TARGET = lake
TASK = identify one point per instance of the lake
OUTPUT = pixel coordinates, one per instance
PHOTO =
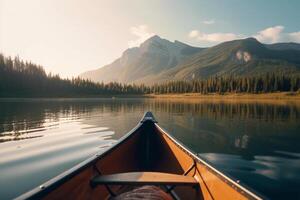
(257, 142)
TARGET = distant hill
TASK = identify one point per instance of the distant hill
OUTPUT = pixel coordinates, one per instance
(284, 46)
(158, 60)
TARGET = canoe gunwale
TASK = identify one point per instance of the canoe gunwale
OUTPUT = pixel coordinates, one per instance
(229, 180)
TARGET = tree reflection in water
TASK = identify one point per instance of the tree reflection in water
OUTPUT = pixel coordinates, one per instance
(254, 141)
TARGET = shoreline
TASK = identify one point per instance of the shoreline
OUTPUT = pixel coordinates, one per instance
(232, 96)
(194, 96)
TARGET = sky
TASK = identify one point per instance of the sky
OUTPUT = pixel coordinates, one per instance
(69, 37)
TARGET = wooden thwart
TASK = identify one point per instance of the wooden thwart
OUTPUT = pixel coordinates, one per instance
(143, 178)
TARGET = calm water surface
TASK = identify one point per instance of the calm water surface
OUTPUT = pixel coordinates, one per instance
(255, 142)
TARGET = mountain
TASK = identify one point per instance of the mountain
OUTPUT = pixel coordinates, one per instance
(284, 46)
(238, 57)
(158, 60)
(154, 56)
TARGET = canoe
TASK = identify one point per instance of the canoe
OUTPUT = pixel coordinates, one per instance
(147, 155)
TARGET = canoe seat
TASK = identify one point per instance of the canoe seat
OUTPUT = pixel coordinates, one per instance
(143, 178)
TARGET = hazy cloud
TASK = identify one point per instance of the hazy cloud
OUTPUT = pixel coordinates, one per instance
(269, 35)
(193, 34)
(213, 37)
(276, 34)
(295, 36)
(209, 22)
(142, 33)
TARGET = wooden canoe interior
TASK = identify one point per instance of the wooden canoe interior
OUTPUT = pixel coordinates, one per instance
(148, 148)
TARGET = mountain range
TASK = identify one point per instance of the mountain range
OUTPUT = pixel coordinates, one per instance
(159, 60)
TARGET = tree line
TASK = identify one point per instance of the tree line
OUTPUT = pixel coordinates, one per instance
(264, 83)
(25, 79)
(19, 78)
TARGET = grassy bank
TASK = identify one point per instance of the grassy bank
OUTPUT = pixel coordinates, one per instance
(234, 96)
